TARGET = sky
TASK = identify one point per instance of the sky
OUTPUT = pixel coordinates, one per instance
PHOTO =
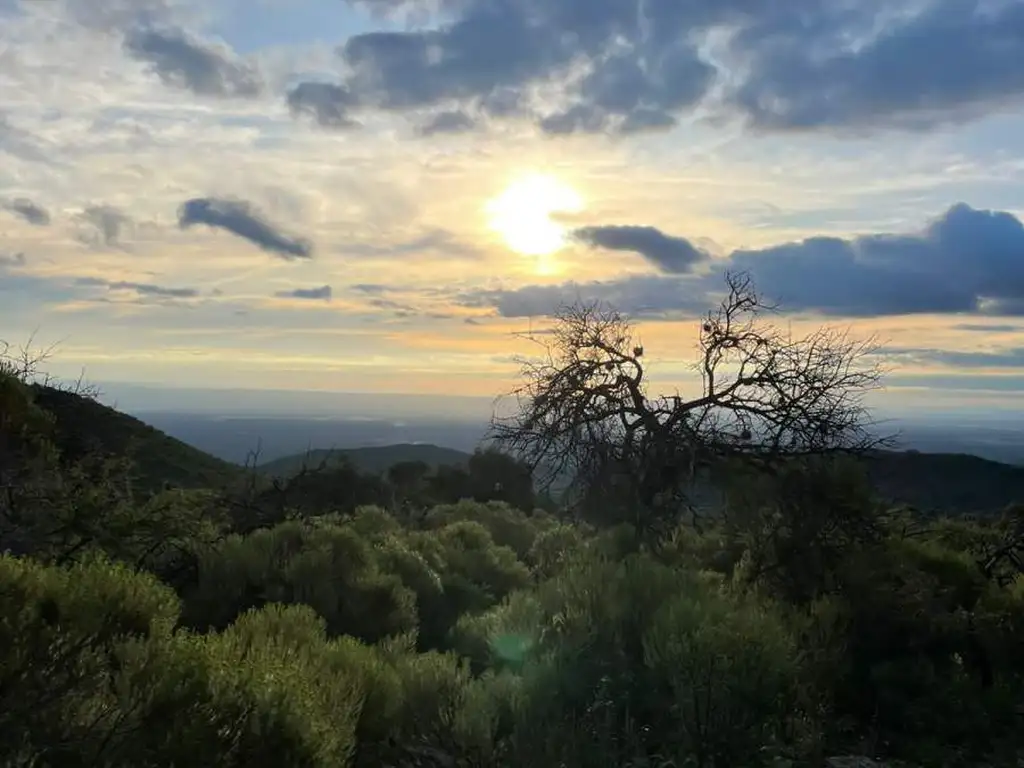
(382, 195)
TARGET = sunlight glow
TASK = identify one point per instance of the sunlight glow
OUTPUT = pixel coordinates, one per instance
(522, 214)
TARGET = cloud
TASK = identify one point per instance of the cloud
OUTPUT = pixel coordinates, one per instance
(107, 15)
(641, 296)
(952, 59)
(675, 255)
(28, 210)
(455, 121)
(104, 226)
(372, 289)
(1006, 358)
(142, 289)
(8, 260)
(493, 47)
(438, 240)
(184, 61)
(988, 327)
(328, 104)
(966, 261)
(22, 144)
(323, 293)
(627, 66)
(242, 219)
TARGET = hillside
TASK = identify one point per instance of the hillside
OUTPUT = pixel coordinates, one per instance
(946, 483)
(372, 459)
(84, 424)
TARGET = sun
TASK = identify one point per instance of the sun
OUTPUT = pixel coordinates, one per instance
(522, 214)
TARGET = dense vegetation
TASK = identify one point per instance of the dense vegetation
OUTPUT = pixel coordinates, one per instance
(370, 459)
(432, 617)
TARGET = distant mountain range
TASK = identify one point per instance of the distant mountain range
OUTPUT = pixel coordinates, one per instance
(938, 482)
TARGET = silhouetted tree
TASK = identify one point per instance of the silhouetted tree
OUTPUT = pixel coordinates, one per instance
(767, 397)
(495, 476)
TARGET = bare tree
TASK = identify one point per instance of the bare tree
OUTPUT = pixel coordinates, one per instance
(584, 410)
(25, 363)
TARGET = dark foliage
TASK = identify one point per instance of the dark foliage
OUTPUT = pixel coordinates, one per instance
(432, 616)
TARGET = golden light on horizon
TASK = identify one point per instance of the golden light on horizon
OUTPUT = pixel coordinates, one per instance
(522, 214)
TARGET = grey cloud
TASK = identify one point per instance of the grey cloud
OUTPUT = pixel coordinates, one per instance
(28, 210)
(627, 93)
(142, 289)
(22, 144)
(104, 226)
(644, 120)
(963, 382)
(327, 103)
(184, 61)
(242, 219)
(455, 121)
(1006, 358)
(627, 66)
(953, 59)
(496, 48)
(580, 118)
(640, 296)
(107, 15)
(675, 255)
(8, 260)
(374, 289)
(323, 293)
(493, 45)
(967, 261)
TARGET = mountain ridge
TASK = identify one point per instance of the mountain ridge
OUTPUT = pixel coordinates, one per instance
(83, 424)
(942, 483)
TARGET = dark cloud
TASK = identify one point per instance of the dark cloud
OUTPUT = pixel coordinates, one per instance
(626, 66)
(142, 289)
(455, 121)
(328, 104)
(105, 226)
(626, 94)
(242, 219)
(28, 210)
(185, 61)
(323, 293)
(675, 255)
(952, 59)
(501, 47)
(966, 261)
(491, 46)
(8, 260)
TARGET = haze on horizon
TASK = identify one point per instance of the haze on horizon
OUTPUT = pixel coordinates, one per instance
(381, 195)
